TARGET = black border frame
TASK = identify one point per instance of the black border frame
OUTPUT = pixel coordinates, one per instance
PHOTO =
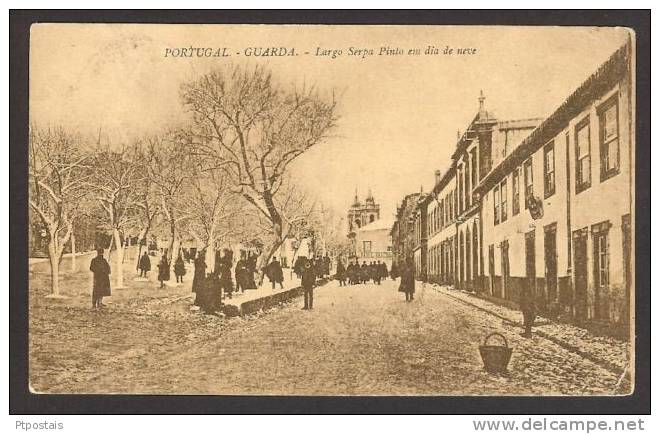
(24, 402)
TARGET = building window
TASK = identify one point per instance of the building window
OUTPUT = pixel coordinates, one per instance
(549, 169)
(608, 122)
(503, 204)
(442, 213)
(582, 156)
(515, 192)
(366, 248)
(371, 218)
(496, 205)
(529, 180)
(601, 260)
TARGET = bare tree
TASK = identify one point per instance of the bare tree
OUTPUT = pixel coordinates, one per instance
(243, 121)
(211, 210)
(58, 172)
(146, 206)
(114, 184)
(168, 167)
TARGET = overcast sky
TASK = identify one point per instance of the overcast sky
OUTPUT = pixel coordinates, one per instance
(399, 114)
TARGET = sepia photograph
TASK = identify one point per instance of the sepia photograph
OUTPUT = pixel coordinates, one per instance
(331, 210)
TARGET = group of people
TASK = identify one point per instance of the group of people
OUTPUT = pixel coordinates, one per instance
(356, 273)
(144, 265)
(320, 264)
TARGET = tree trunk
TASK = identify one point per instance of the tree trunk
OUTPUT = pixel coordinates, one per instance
(265, 257)
(54, 267)
(170, 251)
(210, 257)
(119, 259)
(73, 252)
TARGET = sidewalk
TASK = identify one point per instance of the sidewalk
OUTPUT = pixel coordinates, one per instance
(610, 353)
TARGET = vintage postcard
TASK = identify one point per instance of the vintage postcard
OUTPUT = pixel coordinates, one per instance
(331, 210)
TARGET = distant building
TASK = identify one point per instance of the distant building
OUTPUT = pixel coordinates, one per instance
(374, 243)
(402, 232)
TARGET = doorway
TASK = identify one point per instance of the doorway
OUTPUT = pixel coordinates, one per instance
(550, 256)
(580, 272)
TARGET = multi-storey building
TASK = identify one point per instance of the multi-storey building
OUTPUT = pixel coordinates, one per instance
(403, 232)
(452, 209)
(556, 211)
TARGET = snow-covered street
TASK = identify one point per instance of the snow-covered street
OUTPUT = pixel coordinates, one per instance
(361, 339)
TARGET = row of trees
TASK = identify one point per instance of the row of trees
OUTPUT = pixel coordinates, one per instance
(223, 175)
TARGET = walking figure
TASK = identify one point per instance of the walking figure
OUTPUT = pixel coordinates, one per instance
(144, 265)
(308, 283)
(163, 270)
(199, 277)
(340, 273)
(179, 269)
(528, 308)
(274, 273)
(407, 284)
(101, 270)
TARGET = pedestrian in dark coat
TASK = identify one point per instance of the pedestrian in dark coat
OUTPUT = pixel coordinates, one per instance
(299, 265)
(199, 277)
(251, 269)
(528, 308)
(407, 284)
(326, 265)
(308, 283)
(179, 269)
(241, 273)
(382, 270)
(144, 265)
(101, 286)
(364, 272)
(163, 270)
(274, 273)
(340, 273)
(223, 273)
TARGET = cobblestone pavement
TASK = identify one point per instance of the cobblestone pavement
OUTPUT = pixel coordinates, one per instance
(360, 339)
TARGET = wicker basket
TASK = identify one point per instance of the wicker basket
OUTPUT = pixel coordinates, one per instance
(495, 357)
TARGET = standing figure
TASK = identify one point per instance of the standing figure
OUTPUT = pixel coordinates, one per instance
(240, 273)
(318, 266)
(377, 272)
(251, 269)
(163, 270)
(382, 270)
(199, 277)
(223, 273)
(528, 308)
(274, 273)
(326, 265)
(101, 270)
(340, 273)
(298, 266)
(144, 264)
(179, 269)
(364, 272)
(308, 283)
(407, 284)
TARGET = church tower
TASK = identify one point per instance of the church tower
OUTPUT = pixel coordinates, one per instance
(361, 214)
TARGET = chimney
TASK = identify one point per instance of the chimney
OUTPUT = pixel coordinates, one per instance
(438, 176)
